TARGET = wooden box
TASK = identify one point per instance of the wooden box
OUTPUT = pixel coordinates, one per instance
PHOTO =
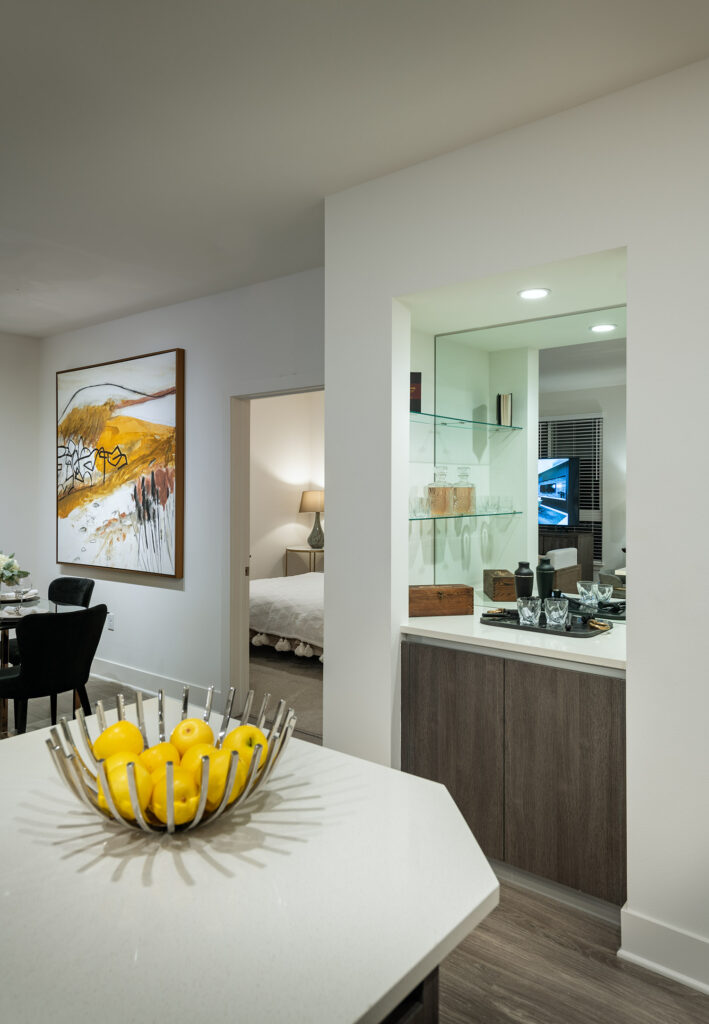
(499, 584)
(445, 599)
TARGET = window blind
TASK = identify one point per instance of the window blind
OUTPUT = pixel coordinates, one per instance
(582, 437)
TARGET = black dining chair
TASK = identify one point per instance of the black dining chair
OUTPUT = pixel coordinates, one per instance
(56, 653)
(75, 590)
(71, 590)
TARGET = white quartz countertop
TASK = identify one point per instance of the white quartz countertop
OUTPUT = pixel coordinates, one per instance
(606, 650)
(326, 901)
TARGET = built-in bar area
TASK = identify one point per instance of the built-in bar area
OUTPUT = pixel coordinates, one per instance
(517, 490)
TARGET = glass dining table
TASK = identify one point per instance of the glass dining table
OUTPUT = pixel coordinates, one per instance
(11, 612)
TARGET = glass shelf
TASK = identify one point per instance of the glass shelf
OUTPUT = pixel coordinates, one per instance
(437, 420)
(469, 515)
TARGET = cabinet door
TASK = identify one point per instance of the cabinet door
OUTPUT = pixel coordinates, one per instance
(452, 707)
(565, 777)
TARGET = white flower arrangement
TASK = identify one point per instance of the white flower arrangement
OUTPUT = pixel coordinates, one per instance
(10, 572)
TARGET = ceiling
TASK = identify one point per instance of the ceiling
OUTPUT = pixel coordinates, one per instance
(584, 283)
(154, 152)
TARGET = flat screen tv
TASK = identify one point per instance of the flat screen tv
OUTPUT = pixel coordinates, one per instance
(558, 487)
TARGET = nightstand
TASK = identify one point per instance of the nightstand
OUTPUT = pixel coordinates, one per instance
(311, 553)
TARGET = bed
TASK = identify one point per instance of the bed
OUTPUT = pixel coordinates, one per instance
(286, 612)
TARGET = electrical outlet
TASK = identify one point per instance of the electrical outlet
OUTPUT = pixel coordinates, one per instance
(110, 621)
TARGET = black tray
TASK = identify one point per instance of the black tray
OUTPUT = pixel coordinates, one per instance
(510, 620)
(605, 610)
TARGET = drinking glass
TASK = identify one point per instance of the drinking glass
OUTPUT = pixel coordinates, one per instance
(529, 609)
(22, 587)
(604, 591)
(587, 592)
(556, 610)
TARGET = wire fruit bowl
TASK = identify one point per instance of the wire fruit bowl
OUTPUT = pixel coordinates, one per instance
(83, 776)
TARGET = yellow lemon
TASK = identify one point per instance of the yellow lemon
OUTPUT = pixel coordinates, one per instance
(117, 737)
(153, 758)
(192, 759)
(190, 731)
(186, 796)
(117, 774)
(219, 761)
(243, 739)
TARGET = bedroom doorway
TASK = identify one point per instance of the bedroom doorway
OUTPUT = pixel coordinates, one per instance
(278, 562)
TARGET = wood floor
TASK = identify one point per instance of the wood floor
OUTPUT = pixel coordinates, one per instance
(536, 961)
(39, 711)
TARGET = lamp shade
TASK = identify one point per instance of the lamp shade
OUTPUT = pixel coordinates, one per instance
(312, 501)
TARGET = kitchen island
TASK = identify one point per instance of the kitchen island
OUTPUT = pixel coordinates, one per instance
(527, 732)
(331, 898)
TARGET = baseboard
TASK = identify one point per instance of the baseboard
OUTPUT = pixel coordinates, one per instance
(604, 911)
(147, 682)
(659, 947)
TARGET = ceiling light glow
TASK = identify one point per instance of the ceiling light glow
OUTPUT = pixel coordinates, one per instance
(534, 293)
(603, 328)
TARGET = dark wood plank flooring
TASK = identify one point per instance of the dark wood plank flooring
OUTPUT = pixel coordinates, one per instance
(537, 961)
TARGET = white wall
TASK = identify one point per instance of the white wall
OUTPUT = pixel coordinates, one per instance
(265, 338)
(474, 211)
(287, 457)
(19, 361)
(610, 404)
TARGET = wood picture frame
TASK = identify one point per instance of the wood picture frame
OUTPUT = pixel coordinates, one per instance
(120, 464)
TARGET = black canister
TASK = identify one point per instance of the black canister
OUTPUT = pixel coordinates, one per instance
(524, 580)
(545, 578)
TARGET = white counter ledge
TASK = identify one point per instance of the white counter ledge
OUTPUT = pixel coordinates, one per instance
(326, 901)
(607, 650)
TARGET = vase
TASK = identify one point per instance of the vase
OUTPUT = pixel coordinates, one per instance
(524, 580)
(545, 578)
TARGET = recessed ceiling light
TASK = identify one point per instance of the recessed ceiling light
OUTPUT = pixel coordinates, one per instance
(534, 293)
(603, 328)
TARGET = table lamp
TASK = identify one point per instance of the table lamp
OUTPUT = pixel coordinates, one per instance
(314, 501)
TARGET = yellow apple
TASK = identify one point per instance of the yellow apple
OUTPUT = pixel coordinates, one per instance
(119, 736)
(117, 775)
(154, 757)
(243, 739)
(190, 731)
(219, 761)
(192, 759)
(186, 795)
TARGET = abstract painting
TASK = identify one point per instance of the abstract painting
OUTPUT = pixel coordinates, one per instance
(120, 464)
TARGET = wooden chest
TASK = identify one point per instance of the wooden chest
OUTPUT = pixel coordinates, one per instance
(499, 584)
(444, 599)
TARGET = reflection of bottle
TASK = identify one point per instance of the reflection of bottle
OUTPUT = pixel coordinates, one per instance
(439, 493)
(463, 494)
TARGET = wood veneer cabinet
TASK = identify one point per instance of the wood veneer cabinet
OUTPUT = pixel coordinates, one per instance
(534, 756)
(565, 777)
(452, 712)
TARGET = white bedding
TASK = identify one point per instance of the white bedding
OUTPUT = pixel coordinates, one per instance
(289, 606)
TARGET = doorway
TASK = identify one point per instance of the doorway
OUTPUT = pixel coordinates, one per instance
(277, 567)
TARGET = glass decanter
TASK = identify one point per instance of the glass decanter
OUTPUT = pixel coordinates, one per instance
(463, 497)
(440, 493)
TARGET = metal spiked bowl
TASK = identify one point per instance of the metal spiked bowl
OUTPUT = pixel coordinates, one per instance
(82, 775)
